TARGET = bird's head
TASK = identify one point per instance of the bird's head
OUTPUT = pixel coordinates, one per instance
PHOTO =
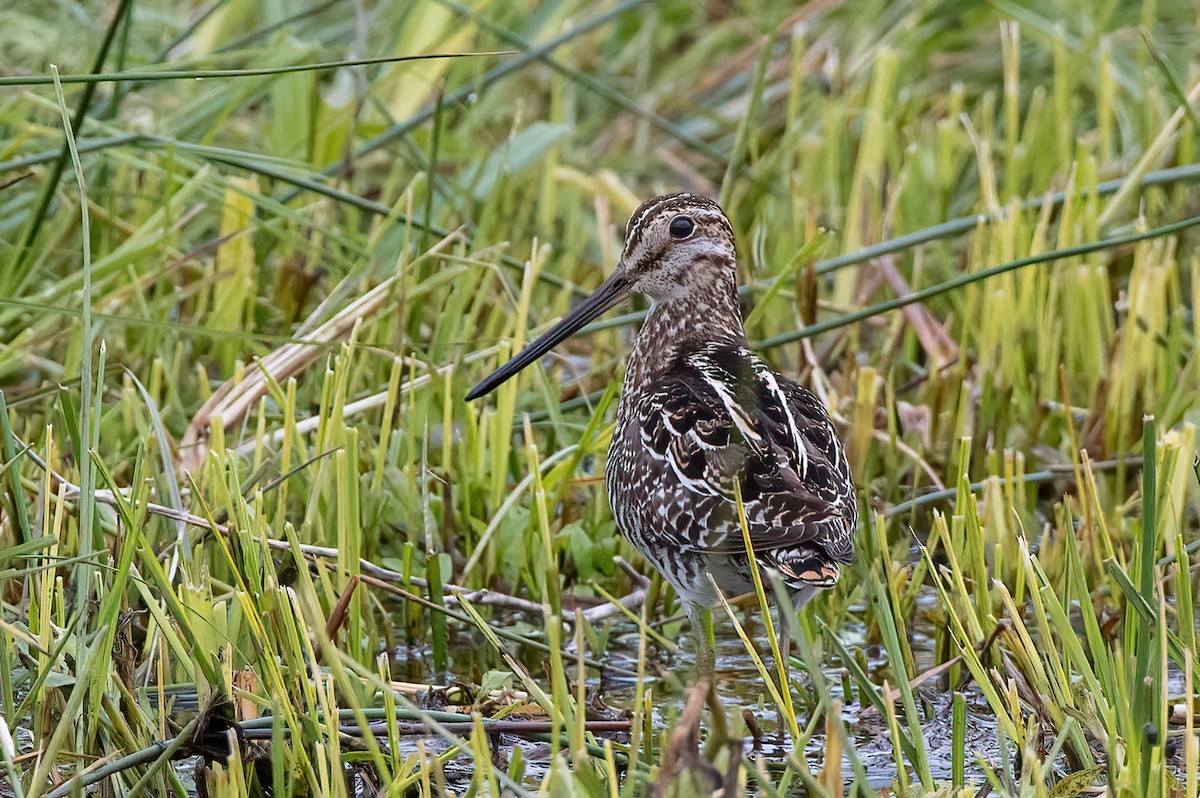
(676, 246)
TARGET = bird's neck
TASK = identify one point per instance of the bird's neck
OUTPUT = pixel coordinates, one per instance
(675, 326)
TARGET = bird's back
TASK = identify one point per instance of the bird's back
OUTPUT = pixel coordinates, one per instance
(716, 417)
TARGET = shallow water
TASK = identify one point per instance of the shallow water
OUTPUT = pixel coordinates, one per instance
(739, 687)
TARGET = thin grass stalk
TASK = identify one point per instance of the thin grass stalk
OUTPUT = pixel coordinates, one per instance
(16, 492)
(491, 635)
(958, 739)
(641, 718)
(400, 129)
(659, 639)
(50, 184)
(861, 205)
(1139, 635)
(785, 688)
(579, 738)
(765, 675)
(1191, 748)
(893, 725)
(1148, 159)
(970, 278)
(87, 473)
(510, 501)
(340, 682)
(146, 756)
(1161, 707)
(979, 672)
(747, 124)
(593, 84)
(895, 641)
(149, 76)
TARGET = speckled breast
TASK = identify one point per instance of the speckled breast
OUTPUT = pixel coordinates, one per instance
(659, 519)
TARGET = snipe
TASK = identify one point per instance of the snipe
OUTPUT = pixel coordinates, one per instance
(700, 412)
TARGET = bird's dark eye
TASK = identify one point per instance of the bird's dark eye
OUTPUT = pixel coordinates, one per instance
(682, 227)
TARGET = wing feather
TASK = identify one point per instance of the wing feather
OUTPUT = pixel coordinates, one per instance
(721, 415)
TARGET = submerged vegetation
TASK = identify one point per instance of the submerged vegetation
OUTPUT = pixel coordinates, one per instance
(254, 541)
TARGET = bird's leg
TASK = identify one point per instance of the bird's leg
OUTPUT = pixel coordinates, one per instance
(701, 620)
(785, 638)
(786, 603)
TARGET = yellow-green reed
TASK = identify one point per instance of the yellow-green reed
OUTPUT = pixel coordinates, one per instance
(231, 216)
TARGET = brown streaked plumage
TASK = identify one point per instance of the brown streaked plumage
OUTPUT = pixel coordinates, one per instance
(700, 412)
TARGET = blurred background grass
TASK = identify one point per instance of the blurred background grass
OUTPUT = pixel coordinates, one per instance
(234, 425)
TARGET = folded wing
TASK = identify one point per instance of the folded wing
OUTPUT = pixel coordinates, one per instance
(721, 417)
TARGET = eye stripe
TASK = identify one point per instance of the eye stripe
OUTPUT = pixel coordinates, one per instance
(703, 210)
(644, 210)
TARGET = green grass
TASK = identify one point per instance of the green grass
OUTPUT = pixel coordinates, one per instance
(244, 506)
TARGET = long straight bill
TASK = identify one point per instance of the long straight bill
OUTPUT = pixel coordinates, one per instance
(610, 292)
